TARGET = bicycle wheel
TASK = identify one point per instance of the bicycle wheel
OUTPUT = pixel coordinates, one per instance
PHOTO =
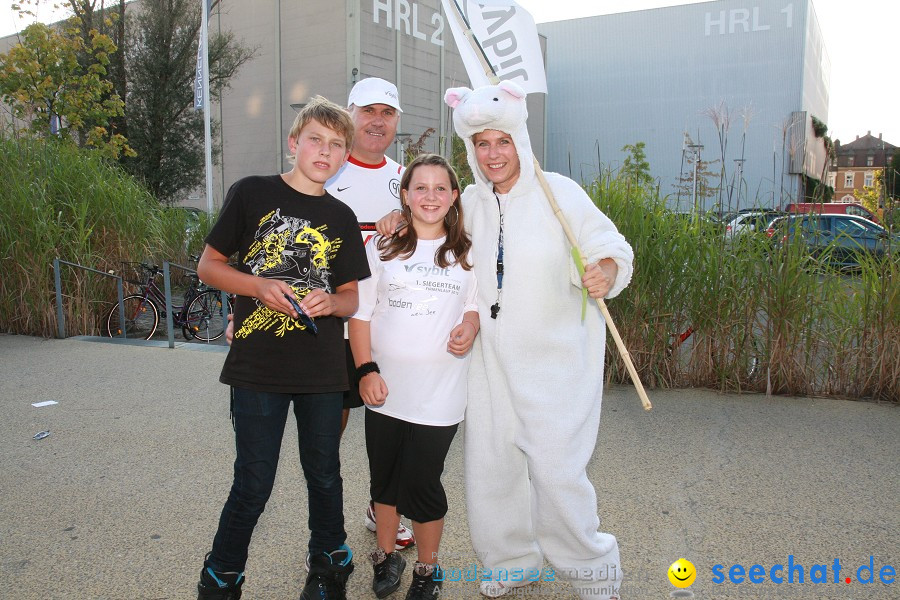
(204, 318)
(141, 318)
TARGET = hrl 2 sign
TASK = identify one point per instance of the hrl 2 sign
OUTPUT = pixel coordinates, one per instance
(405, 16)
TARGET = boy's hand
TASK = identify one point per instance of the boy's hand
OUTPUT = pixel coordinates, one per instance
(229, 331)
(372, 389)
(599, 277)
(319, 303)
(271, 293)
(388, 224)
(461, 338)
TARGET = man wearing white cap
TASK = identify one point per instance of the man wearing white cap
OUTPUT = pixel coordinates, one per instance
(369, 183)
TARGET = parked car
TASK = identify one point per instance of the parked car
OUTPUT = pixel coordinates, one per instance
(841, 238)
(774, 223)
(703, 223)
(192, 217)
(842, 208)
(750, 222)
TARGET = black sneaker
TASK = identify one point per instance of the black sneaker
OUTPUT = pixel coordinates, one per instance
(426, 582)
(328, 574)
(388, 570)
(219, 586)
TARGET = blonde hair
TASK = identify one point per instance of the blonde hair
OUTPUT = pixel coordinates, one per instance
(327, 113)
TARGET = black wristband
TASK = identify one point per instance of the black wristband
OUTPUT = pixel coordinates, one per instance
(366, 368)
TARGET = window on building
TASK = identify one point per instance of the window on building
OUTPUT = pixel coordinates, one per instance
(849, 161)
(831, 178)
(848, 179)
(870, 161)
(869, 179)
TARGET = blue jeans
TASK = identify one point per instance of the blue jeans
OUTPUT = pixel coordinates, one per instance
(259, 420)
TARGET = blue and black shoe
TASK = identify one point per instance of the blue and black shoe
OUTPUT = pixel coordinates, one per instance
(328, 575)
(219, 586)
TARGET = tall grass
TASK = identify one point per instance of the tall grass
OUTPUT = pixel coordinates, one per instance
(767, 316)
(60, 201)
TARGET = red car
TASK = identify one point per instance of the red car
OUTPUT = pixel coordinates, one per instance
(841, 208)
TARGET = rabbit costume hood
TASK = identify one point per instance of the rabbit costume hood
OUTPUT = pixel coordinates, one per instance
(500, 107)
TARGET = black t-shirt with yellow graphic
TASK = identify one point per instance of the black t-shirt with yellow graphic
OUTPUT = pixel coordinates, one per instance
(309, 242)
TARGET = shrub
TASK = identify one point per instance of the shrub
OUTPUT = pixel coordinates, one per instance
(61, 201)
(766, 316)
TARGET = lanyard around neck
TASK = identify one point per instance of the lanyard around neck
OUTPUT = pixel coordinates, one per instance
(496, 306)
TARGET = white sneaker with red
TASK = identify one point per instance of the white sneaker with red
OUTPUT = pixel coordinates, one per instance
(405, 537)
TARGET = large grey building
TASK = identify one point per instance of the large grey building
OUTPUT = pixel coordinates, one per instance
(324, 47)
(741, 79)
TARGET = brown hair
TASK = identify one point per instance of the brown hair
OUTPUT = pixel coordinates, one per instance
(457, 243)
(328, 114)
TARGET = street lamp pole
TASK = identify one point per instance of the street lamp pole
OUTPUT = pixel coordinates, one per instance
(695, 148)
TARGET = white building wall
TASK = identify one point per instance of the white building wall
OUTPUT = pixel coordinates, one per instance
(651, 76)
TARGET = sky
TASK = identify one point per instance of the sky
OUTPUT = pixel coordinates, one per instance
(865, 89)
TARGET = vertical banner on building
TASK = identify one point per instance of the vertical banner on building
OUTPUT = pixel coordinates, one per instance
(506, 34)
(198, 81)
(199, 88)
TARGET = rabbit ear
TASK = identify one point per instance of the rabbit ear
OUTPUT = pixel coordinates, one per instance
(454, 96)
(512, 89)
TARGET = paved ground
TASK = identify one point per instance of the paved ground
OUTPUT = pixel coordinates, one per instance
(122, 499)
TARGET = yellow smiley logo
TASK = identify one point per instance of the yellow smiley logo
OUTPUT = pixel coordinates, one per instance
(682, 573)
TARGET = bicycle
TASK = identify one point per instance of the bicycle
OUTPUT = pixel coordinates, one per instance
(199, 315)
(743, 357)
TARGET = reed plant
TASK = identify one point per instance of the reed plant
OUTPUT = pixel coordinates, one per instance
(61, 201)
(764, 314)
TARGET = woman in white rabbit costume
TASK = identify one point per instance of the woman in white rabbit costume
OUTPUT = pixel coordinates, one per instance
(536, 375)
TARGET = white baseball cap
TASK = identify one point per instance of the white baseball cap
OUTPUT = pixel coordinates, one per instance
(373, 90)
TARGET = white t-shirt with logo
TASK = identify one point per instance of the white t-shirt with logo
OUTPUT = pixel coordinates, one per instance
(412, 305)
(372, 191)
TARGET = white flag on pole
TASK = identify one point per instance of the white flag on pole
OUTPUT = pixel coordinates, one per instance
(508, 36)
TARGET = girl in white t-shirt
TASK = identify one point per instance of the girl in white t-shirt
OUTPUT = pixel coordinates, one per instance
(411, 336)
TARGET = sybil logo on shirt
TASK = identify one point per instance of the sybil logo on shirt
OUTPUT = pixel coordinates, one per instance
(423, 269)
(292, 250)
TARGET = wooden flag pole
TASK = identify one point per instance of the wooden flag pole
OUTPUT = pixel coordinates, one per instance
(620, 344)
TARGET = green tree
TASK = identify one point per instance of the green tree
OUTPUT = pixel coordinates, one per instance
(870, 196)
(893, 177)
(160, 59)
(42, 79)
(460, 162)
(95, 17)
(684, 185)
(635, 168)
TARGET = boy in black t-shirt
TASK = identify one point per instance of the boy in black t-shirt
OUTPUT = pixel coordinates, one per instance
(293, 242)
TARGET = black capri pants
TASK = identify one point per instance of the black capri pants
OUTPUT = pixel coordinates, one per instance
(406, 461)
